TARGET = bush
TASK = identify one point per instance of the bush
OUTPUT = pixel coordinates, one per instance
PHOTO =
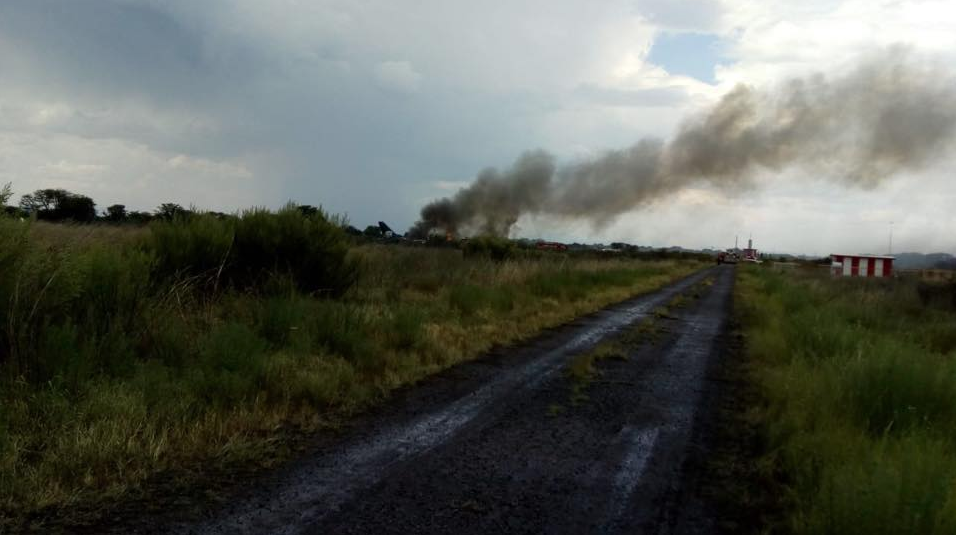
(492, 247)
(191, 246)
(310, 248)
(405, 329)
(280, 319)
(69, 312)
(572, 284)
(469, 298)
(886, 488)
(895, 388)
(341, 329)
(248, 250)
(233, 364)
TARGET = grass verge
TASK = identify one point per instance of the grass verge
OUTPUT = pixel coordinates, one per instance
(858, 379)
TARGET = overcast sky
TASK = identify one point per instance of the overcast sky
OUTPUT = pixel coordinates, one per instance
(373, 107)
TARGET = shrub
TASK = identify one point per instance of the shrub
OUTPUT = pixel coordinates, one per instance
(341, 329)
(233, 364)
(574, 284)
(69, 311)
(492, 247)
(248, 250)
(309, 248)
(281, 321)
(318, 380)
(191, 246)
(896, 388)
(886, 488)
(405, 329)
(469, 298)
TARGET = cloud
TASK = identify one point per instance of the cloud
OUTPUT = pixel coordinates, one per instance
(651, 97)
(450, 185)
(201, 167)
(116, 171)
(683, 15)
(72, 169)
(398, 75)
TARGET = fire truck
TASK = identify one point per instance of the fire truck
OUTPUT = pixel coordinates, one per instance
(729, 256)
(732, 256)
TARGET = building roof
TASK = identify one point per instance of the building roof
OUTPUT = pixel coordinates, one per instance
(858, 255)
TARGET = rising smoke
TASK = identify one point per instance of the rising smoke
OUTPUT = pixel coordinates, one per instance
(891, 113)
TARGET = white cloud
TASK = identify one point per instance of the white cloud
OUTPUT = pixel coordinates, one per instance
(135, 175)
(451, 185)
(201, 167)
(72, 169)
(398, 76)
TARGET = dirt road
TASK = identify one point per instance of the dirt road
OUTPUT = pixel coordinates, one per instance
(497, 446)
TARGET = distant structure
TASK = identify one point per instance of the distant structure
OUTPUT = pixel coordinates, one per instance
(551, 246)
(732, 256)
(861, 265)
(387, 231)
(750, 254)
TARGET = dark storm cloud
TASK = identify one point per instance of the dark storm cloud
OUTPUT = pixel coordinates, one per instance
(105, 47)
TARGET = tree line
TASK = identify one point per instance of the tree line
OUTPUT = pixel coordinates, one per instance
(60, 205)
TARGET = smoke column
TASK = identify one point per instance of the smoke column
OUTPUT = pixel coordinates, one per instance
(893, 112)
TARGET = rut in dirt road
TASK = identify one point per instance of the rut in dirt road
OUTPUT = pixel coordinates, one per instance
(486, 450)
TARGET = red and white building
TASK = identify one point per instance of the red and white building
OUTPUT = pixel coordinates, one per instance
(861, 265)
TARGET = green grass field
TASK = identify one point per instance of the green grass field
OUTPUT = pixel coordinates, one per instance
(198, 345)
(859, 379)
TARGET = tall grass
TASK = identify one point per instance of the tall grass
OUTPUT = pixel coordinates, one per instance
(196, 342)
(860, 380)
(248, 250)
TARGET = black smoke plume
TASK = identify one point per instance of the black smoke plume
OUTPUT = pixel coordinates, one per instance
(892, 112)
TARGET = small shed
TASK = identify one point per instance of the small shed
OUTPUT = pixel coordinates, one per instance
(861, 265)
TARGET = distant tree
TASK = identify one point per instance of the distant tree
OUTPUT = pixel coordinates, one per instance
(116, 213)
(307, 210)
(5, 193)
(77, 208)
(140, 218)
(372, 231)
(58, 205)
(170, 210)
(41, 200)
